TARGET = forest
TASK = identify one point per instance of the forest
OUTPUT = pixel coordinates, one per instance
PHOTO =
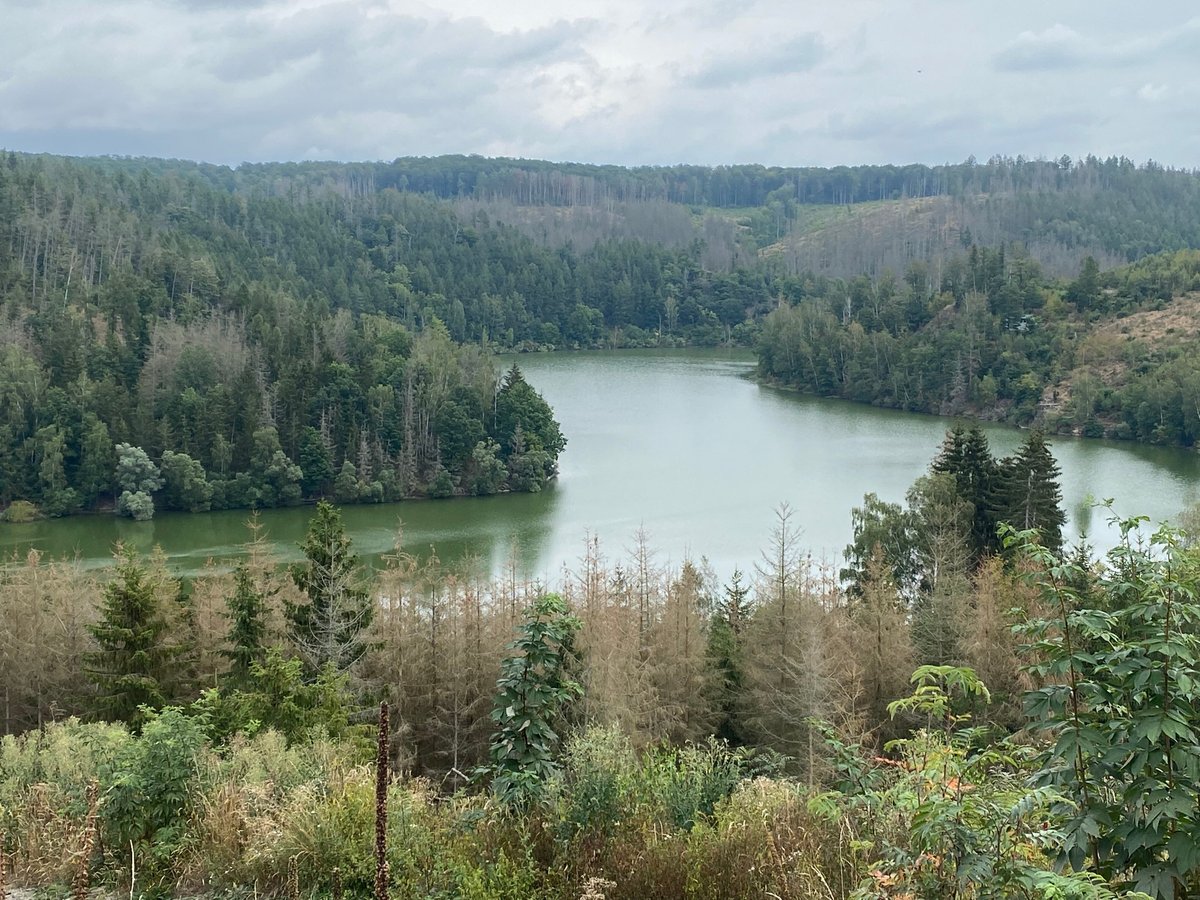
(967, 709)
(185, 336)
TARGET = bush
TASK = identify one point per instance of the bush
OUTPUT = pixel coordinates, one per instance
(20, 512)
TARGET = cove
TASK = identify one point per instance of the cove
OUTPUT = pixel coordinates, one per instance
(683, 444)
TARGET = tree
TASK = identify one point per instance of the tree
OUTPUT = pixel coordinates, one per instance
(531, 694)
(881, 638)
(1118, 705)
(893, 531)
(49, 447)
(1028, 495)
(528, 467)
(487, 470)
(327, 628)
(137, 478)
(46, 608)
(787, 666)
(131, 667)
(1084, 291)
(247, 612)
(725, 653)
(966, 455)
(677, 650)
(316, 462)
(518, 405)
(185, 485)
(97, 461)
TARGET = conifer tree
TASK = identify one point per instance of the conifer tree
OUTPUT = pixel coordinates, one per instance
(614, 607)
(1028, 493)
(989, 644)
(327, 625)
(45, 608)
(882, 644)
(788, 673)
(677, 645)
(967, 456)
(247, 613)
(728, 677)
(131, 668)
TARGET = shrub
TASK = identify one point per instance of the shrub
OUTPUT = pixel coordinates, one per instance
(21, 511)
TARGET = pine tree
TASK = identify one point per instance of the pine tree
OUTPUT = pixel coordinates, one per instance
(884, 650)
(247, 612)
(131, 668)
(728, 677)
(1028, 495)
(967, 456)
(677, 645)
(327, 627)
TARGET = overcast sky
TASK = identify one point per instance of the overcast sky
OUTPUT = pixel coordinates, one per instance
(807, 82)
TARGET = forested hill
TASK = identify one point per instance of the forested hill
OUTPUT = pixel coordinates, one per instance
(839, 221)
(285, 330)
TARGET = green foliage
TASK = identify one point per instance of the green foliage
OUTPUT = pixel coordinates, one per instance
(533, 689)
(151, 788)
(522, 413)
(1028, 495)
(247, 610)
(895, 532)
(132, 668)
(725, 654)
(1118, 664)
(185, 484)
(487, 471)
(275, 695)
(952, 813)
(20, 512)
(327, 628)
(137, 505)
(136, 473)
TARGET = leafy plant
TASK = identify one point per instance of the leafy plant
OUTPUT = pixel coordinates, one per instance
(1118, 664)
(533, 689)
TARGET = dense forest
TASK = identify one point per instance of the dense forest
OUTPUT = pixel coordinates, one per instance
(1109, 354)
(190, 336)
(966, 710)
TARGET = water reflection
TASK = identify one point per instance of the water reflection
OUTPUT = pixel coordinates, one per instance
(678, 443)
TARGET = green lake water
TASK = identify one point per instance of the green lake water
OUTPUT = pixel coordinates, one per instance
(680, 443)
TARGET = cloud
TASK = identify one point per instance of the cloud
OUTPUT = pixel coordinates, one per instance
(798, 54)
(1062, 47)
(621, 81)
(1152, 92)
(1057, 47)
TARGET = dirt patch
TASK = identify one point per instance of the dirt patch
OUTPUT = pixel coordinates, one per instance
(1176, 322)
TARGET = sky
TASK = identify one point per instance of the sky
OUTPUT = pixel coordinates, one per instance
(629, 82)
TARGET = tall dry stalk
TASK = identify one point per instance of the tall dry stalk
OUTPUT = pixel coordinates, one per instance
(80, 883)
(293, 879)
(381, 796)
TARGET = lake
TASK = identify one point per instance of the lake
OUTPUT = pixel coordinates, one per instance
(682, 444)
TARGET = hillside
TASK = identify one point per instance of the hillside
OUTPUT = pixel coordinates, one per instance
(314, 329)
(1107, 354)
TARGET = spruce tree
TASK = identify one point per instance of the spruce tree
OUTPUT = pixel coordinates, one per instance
(967, 456)
(728, 679)
(131, 668)
(1029, 496)
(328, 627)
(247, 626)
